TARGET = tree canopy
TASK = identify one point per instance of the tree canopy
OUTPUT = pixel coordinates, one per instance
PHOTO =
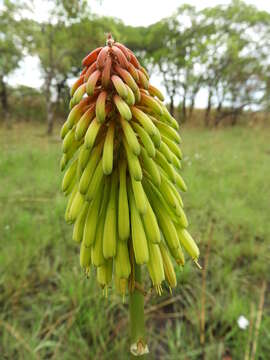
(222, 51)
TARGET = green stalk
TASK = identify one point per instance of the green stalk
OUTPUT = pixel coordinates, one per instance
(136, 313)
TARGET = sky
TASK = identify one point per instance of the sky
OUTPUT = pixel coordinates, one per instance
(135, 13)
(146, 12)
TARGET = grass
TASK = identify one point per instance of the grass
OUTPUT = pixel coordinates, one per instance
(49, 310)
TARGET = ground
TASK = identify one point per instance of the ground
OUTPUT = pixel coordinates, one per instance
(49, 310)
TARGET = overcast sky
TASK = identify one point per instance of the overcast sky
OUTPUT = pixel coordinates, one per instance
(136, 12)
(145, 12)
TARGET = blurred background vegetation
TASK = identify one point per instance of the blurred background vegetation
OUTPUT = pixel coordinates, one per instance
(48, 309)
(222, 50)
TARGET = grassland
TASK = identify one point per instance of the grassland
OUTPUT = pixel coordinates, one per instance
(49, 310)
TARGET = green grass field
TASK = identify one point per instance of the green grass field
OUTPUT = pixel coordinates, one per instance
(49, 310)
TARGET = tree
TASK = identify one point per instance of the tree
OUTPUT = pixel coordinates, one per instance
(11, 48)
(161, 50)
(59, 42)
(52, 45)
(235, 63)
(176, 46)
(223, 49)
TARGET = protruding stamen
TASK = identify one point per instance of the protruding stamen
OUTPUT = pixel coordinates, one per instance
(197, 264)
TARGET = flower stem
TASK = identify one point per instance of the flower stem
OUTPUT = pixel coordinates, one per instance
(136, 312)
